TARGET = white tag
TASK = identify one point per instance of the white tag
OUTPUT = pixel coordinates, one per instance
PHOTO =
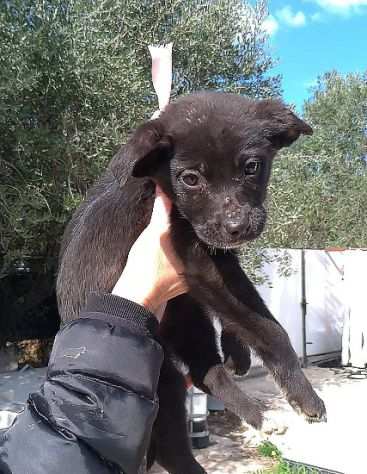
(161, 74)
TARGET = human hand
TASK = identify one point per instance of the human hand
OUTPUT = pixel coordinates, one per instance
(153, 273)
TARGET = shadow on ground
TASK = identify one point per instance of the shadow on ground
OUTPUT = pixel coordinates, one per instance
(334, 445)
(228, 453)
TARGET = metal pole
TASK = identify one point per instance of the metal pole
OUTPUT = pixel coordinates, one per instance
(304, 308)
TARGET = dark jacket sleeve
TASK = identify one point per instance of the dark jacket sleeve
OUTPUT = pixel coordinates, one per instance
(95, 411)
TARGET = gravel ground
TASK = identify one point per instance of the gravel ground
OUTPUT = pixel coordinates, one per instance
(337, 445)
(228, 453)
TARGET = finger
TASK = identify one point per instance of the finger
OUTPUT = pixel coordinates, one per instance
(166, 200)
(161, 211)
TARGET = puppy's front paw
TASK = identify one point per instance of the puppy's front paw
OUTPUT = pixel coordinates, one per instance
(274, 423)
(309, 404)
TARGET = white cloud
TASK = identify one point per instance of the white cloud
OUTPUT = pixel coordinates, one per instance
(283, 16)
(341, 6)
(290, 18)
(270, 25)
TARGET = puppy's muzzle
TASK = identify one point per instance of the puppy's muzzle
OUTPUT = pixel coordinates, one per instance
(236, 228)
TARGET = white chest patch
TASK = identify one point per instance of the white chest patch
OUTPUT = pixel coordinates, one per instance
(218, 335)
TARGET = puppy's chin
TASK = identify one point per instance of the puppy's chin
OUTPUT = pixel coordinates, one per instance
(222, 243)
(214, 238)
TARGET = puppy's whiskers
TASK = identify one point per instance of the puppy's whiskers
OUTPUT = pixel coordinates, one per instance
(212, 250)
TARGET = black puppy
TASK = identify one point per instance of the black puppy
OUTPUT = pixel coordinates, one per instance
(211, 153)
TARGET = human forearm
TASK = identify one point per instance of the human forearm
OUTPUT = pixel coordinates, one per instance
(99, 399)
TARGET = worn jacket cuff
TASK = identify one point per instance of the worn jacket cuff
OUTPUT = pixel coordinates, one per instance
(122, 312)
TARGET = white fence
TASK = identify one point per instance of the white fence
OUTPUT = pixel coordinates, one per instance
(355, 325)
(333, 290)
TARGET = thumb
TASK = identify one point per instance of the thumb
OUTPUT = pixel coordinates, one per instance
(161, 211)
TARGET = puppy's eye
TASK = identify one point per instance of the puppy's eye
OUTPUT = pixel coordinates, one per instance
(252, 168)
(190, 179)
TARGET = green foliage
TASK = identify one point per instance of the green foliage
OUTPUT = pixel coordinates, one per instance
(337, 111)
(284, 468)
(318, 191)
(75, 79)
(269, 450)
(318, 201)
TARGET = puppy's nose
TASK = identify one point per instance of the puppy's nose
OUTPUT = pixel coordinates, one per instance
(234, 228)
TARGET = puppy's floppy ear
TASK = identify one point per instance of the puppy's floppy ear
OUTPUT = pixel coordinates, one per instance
(281, 126)
(147, 147)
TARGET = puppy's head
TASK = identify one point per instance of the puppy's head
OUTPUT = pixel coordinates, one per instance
(211, 153)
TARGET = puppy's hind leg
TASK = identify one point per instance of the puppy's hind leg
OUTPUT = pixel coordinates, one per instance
(170, 440)
(237, 355)
(220, 384)
(190, 333)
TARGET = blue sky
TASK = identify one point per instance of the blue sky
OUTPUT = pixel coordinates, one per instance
(310, 37)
